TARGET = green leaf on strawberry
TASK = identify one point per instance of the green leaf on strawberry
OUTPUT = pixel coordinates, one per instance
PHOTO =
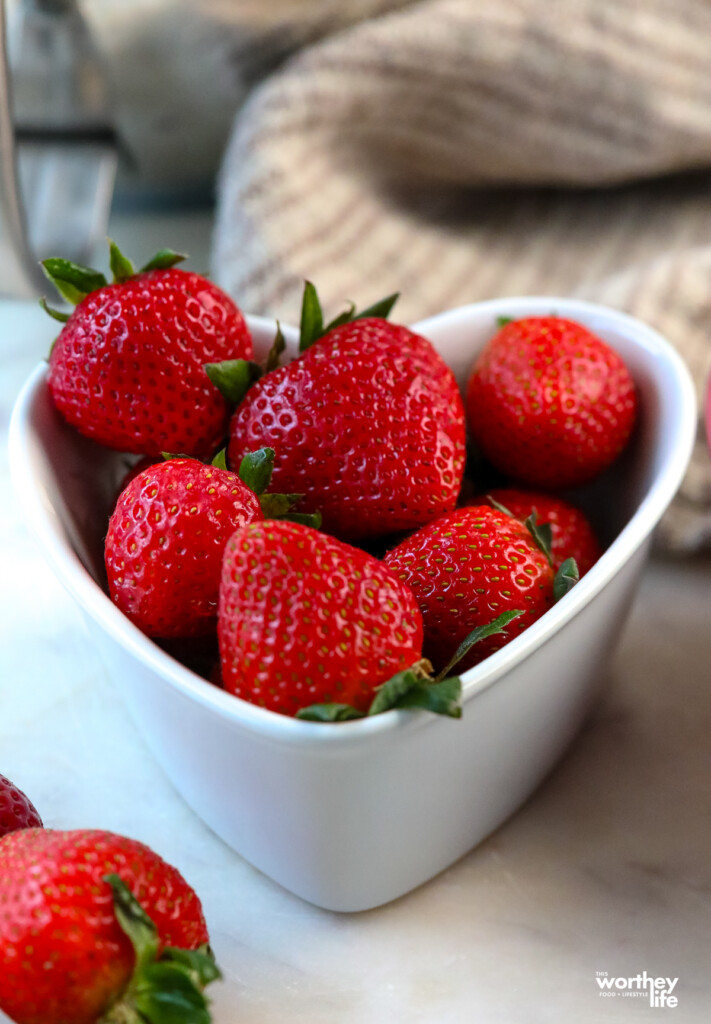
(275, 506)
(382, 308)
(121, 266)
(498, 625)
(54, 313)
(501, 321)
(312, 326)
(278, 346)
(312, 519)
(72, 280)
(166, 987)
(565, 579)
(501, 508)
(219, 461)
(415, 688)
(164, 259)
(329, 713)
(233, 377)
(411, 689)
(542, 534)
(343, 318)
(255, 469)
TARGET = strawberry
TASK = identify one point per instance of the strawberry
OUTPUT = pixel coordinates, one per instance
(367, 423)
(165, 541)
(464, 568)
(97, 927)
(16, 810)
(306, 619)
(572, 534)
(549, 403)
(127, 367)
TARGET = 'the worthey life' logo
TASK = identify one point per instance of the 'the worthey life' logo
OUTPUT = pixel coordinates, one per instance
(660, 990)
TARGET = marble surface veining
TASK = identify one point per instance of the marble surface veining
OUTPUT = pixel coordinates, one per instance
(606, 869)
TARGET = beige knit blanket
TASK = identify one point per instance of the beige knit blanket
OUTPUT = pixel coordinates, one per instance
(454, 150)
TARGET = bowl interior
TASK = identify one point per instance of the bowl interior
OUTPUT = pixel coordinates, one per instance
(68, 484)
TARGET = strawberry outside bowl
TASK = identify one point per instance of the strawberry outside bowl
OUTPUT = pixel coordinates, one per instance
(352, 815)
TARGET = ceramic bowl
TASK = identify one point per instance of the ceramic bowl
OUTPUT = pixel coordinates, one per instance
(352, 815)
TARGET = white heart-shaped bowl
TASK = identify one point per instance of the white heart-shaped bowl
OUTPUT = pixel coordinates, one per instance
(352, 815)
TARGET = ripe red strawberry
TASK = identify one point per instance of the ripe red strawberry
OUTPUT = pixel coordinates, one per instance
(367, 423)
(572, 534)
(16, 810)
(65, 956)
(549, 403)
(306, 619)
(467, 568)
(128, 366)
(165, 542)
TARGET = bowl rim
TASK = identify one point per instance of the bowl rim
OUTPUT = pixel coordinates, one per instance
(46, 525)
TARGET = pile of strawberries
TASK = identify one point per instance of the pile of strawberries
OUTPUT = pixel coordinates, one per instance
(312, 516)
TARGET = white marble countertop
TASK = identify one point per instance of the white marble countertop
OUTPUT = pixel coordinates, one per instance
(606, 869)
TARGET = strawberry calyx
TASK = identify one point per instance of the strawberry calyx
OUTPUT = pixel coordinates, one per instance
(312, 327)
(415, 687)
(565, 579)
(255, 470)
(479, 633)
(234, 377)
(542, 534)
(167, 985)
(412, 688)
(74, 281)
(568, 572)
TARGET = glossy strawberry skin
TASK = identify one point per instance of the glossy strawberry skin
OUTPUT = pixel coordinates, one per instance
(128, 366)
(306, 619)
(573, 535)
(63, 956)
(16, 810)
(549, 403)
(165, 542)
(465, 569)
(368, 424)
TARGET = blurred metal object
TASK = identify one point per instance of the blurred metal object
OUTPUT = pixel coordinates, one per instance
(58, 151)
